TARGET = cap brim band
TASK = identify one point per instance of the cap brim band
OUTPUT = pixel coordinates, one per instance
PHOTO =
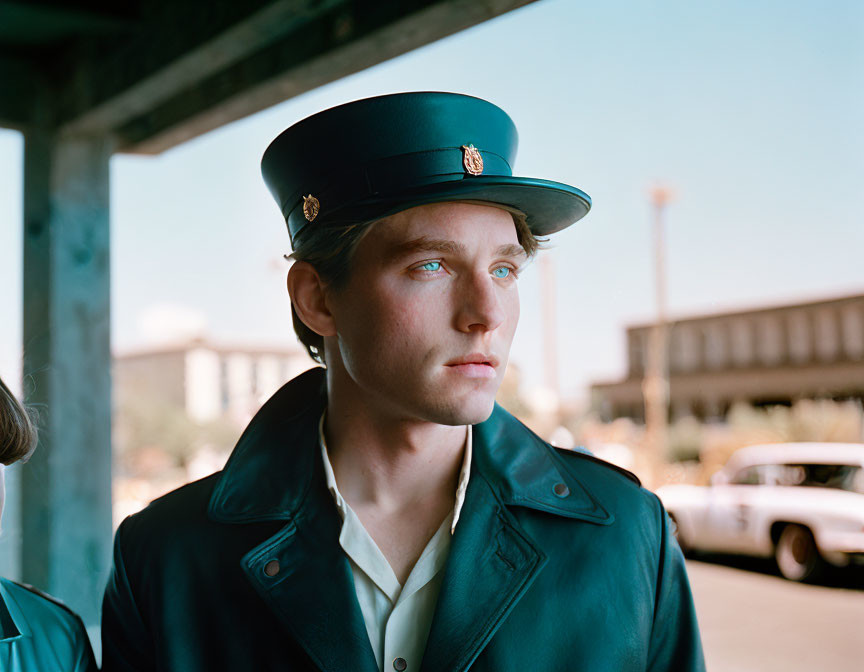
(548, 206)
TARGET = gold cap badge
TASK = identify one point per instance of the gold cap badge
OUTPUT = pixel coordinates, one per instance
(472, 160)
(311, 206)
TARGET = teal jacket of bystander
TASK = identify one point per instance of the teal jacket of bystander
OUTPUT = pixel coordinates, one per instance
(39, 633)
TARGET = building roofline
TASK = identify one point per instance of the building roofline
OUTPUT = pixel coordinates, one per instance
(760, 309)
(224, 348)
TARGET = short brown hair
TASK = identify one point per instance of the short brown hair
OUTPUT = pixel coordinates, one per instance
(17, 431)
(330, 251)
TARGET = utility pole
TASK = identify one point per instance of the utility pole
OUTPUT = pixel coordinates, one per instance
(550, 324)
(655, 385)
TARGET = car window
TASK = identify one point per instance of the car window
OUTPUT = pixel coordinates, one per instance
(754, 475)
(834, 476)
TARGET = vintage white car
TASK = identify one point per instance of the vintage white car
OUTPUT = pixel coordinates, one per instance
(803, 503)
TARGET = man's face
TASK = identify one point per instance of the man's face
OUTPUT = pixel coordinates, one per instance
(425, 322)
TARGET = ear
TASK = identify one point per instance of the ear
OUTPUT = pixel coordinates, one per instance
(307, 293)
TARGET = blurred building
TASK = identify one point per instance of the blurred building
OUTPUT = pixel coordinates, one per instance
(207, 381)
(768, 356)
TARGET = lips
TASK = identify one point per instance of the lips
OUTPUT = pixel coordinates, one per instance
(475, 358)
(475, 365)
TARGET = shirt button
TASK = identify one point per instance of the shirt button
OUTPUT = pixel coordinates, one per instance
(271, 569)
(561, 490)
(400, 664)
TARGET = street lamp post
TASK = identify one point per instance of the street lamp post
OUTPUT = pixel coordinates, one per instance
(655, 384)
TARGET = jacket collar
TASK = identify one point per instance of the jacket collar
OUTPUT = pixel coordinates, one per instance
(528, 472)
(269, 472)
(13, 622)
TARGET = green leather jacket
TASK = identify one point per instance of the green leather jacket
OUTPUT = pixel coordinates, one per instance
(559, 562)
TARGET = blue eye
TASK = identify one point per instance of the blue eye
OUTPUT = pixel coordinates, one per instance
(431, 266)
(502, 272)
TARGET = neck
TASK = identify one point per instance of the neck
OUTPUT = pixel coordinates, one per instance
(387, 461)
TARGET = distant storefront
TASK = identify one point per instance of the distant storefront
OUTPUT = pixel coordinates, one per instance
(767, 356)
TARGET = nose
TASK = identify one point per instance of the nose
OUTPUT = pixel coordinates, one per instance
(480, 307)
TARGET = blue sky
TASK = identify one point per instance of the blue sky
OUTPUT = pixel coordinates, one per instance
(753, 112)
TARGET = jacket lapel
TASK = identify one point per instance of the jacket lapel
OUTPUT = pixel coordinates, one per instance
(493, 560)
(275, 474)
(311, 589)
(490, 567)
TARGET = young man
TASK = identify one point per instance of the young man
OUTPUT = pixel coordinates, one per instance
(382, 513)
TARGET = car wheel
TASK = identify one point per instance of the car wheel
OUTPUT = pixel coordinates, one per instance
(797, 555)
(679, 536)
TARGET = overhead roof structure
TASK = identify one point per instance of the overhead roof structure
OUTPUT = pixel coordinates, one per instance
(156, 73)
(82, 80)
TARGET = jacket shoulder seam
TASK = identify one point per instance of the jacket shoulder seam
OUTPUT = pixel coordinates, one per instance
(48, 598)
(596, 460)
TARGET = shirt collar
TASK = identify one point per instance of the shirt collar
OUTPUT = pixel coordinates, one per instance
(342, 506)
(329, 476)
(464, 474)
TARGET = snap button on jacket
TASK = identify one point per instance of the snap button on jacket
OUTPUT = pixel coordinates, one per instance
(242, 570)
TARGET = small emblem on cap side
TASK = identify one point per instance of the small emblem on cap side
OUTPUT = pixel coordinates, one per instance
(311, 206)
(472, 160)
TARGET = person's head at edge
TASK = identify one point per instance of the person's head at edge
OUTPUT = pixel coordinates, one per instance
(17, 434)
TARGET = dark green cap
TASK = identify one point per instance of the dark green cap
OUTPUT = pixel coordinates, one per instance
(371, 158)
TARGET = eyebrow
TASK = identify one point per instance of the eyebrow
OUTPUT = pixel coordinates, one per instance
(511, 250)
(426, 244)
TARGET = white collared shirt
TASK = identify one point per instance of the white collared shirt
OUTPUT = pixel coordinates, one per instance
(397, 618)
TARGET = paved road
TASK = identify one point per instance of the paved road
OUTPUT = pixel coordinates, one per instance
(754, 621)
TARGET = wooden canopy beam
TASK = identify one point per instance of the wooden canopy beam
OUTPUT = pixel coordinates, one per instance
(338, 43)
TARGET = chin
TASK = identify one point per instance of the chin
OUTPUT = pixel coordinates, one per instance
(471, 411)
